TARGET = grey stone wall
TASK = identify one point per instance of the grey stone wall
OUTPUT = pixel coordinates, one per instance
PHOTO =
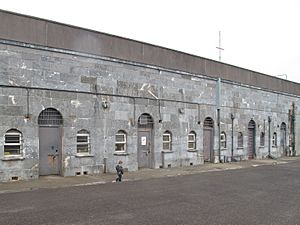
(32, 80)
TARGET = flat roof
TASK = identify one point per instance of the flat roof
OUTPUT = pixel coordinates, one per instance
(28, 29)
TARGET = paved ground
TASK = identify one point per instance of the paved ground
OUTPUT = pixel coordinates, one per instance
(57, 181)
(260, 192)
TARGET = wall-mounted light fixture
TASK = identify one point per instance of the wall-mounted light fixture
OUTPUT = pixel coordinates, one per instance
(105, 104)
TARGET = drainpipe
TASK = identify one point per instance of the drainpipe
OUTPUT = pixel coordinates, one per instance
(218, 116)
(232, 119)
(269, 146)
(293, 119)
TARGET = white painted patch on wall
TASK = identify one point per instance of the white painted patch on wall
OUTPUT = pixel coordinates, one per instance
(67, 161)
(12, 83)
(35, 166)
(143, 86)
(76, 103)
(12, 98)
(150, 92)
(6, 52)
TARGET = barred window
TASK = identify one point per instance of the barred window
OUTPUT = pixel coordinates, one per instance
(167, 141)
(262, 139)
(274, 139)
(13, 143)
(192, 140)
(223, 140)
(83, 141)
(240, 140)
(120, 144)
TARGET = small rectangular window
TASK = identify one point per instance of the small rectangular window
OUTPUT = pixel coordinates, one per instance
(223, 140)
(83, 143)
(167, 141)
(262, 139)
(240, 140)
(191, 141)
(120, 144)
(274, 140)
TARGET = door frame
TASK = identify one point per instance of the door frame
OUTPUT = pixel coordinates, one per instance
(146, 124)
(51, 117)
(208, 125)
(252, 127)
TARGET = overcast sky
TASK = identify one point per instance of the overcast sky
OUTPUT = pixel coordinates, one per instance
(260, 35)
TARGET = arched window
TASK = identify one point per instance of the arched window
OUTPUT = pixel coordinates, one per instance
(274, 139)
(121, 141)
(223, 139)
(262, 139)
(167, 141)
(240, 140)
(192, 141)
(83, 142)
(13, 143)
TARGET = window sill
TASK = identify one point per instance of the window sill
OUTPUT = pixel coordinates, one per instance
(167, 151)
(240, 148)
(83, 155)
(192, 150)
(12, 158)
(121, 153)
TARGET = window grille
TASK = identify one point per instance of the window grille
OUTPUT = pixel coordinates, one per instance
(120, 144)
(240, 140)
(167, 141)
(145, 120)
(13, 143)
(83, 141)
(251, 124)
(208, 122)
(192, 140)
(50, 117)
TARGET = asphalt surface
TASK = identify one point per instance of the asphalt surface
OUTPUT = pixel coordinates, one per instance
(266, 193)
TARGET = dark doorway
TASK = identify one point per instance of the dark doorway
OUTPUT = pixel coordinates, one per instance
(145, 150)
(208, 140)
(251, 139)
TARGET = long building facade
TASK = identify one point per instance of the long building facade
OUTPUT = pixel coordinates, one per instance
(74, 102)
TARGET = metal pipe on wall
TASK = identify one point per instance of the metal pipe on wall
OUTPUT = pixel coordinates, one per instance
(218, 103)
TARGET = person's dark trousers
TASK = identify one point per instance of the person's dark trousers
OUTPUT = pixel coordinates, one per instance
(119, 178)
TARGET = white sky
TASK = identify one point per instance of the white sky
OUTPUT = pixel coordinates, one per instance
(260, 35)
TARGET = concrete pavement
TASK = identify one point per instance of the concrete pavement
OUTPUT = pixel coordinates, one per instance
(58, 181)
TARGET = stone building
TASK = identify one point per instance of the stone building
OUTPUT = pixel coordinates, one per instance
(75, 101)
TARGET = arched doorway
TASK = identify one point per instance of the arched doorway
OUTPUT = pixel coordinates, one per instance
(50, 129)
(251, 139)
(208, 140)
(145, 130)
(283, 138)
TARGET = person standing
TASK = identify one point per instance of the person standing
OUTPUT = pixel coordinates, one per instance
(120, 171)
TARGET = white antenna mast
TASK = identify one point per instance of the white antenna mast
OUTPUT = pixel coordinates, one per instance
(219, 47)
